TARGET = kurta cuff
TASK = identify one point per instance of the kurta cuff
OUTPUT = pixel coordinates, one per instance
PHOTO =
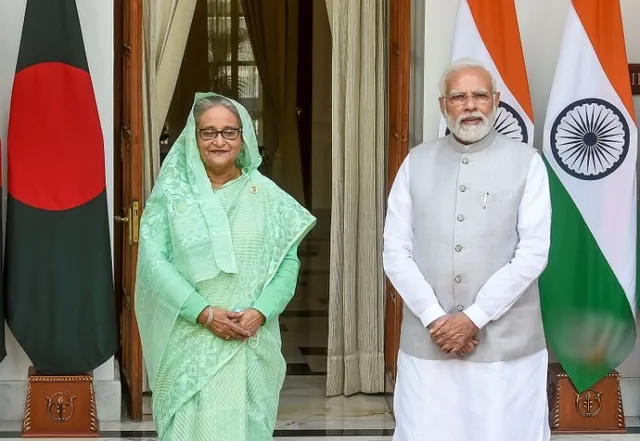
(431, 314)
(192, 307)
(477, 316)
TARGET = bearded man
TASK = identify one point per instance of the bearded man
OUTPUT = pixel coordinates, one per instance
(466, 236)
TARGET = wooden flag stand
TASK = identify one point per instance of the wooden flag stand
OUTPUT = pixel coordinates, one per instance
(596, 410)
(60, 407)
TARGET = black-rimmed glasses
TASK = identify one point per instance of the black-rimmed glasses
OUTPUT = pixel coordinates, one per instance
(210, 134)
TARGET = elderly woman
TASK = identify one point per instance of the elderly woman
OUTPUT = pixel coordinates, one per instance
(217, 265)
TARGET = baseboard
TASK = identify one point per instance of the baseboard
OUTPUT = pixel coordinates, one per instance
(109, 399)
(630, 396)
(147, 403)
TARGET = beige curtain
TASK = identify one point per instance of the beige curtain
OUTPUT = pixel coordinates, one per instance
(330, 12)
(356, 300)
(273, 30)
(166, 25)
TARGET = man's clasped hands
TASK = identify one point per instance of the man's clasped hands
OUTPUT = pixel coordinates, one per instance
(454, 334)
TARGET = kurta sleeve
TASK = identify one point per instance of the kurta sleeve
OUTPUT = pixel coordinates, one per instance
(398, 261)
(278, 293)
(507, 285)
(193, 306)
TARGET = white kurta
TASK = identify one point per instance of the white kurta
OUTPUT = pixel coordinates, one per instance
(459, 400)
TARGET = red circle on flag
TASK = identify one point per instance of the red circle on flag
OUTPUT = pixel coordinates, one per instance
(55, 146)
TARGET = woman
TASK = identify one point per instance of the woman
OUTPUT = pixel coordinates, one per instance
(217, 265)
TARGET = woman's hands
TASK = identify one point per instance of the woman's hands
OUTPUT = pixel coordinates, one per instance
(232, 325)
(224, 323)
(251, 320)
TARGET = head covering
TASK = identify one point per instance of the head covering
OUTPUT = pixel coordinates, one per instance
(249, 158)
(185, 153)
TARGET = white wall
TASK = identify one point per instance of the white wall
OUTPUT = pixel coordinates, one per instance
(96, 19)
(541, 27)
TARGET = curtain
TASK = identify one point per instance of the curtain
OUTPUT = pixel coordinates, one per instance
(273, 31)
(166, 25)
(356, 298)
(330, 12)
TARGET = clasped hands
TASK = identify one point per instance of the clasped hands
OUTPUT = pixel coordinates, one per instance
(454, 334)
(233, 325)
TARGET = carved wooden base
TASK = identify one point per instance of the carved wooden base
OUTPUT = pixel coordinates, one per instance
(596, 410)
(60, 406)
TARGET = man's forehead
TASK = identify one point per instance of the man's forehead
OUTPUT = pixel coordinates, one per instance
(469, 78)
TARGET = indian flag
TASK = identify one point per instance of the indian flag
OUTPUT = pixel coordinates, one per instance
(490, 34)
(588, 290)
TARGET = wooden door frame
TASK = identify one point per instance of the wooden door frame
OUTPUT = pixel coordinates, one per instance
(399, 79)
(117, 167)
(634, 77)
(134, 134)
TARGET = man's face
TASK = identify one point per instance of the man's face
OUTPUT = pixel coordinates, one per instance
(470, 104)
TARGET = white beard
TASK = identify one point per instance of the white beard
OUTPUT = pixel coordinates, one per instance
(471, 133)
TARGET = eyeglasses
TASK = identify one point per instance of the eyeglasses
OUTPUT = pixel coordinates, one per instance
(210, 134)
(458, 99)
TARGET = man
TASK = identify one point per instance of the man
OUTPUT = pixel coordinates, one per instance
(466, 237)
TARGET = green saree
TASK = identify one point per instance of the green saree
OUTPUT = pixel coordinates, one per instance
(226, 245)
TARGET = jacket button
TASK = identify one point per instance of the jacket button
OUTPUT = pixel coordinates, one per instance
(459, 308)
(460, 218)
(458, 248)
(463, 188)
(458, 279)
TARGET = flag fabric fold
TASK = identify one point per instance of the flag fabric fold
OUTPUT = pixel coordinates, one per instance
(491, 35)
(59, 298)
(588, 291)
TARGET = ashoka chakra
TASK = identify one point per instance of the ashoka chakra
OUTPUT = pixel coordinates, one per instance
(590, 139)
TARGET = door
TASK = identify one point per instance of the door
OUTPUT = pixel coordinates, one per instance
(128, 189)
(400, 34)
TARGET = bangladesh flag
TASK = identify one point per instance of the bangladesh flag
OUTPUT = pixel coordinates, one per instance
(588, 290)
(60, 302)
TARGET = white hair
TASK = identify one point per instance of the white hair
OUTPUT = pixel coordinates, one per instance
(463, 63)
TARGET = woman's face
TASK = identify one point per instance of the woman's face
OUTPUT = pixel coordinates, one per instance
(219, 138)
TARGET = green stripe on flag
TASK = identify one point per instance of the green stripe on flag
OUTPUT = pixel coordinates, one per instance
(587, 317)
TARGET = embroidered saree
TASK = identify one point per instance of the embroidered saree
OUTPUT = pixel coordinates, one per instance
(224, 247)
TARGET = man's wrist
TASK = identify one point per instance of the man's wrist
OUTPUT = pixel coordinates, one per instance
(431, 314)
(477, 316)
